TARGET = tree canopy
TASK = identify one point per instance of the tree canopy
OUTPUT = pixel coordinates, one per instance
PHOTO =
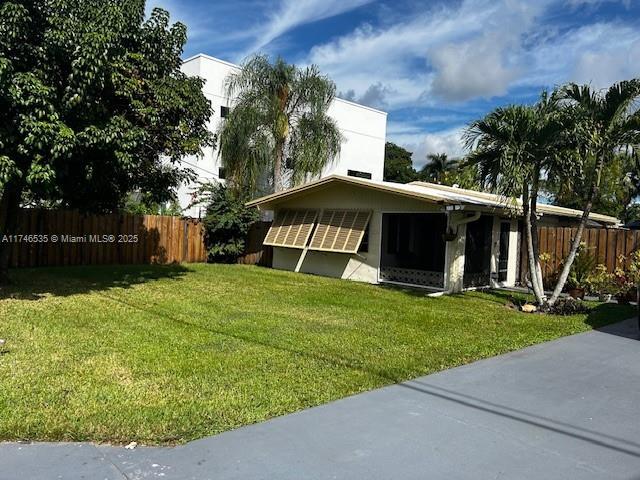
(93, 105)
(571, 139)
(278, 129)
(437, 167)
(398, 166)
(619, 187)
(514, 147)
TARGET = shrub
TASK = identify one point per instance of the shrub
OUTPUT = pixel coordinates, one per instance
(227, 221)
(601, 282)
(628, 279)
(567, 306)
(582, 268)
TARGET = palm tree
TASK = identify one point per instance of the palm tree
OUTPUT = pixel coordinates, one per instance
(439, 164)
(278, 124)
(513, 147)
(608, 122)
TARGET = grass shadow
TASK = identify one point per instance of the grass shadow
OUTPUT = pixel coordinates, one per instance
(36, 283)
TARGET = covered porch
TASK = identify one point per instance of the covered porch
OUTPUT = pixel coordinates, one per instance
(448, 251)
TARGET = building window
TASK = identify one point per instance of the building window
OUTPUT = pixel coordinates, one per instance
(224, 112)
(356, 173)
(221, 173)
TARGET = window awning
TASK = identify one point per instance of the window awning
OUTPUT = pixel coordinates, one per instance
(340, 231)
(291, 228)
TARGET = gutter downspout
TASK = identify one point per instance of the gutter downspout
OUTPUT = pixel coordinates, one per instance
(464, 221)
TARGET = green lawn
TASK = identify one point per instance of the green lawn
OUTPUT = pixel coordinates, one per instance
(170, 354)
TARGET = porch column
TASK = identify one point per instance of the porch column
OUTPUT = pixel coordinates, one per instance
(454, 257)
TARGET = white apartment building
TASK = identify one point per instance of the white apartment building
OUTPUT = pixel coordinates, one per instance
(363, 129)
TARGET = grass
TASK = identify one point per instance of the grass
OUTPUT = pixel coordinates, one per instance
(164, 355)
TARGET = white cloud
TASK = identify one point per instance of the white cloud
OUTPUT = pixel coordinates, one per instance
(601, 54)
(294, 13)
(580, 3)
(412, 138)
(472, 69)
(476, 49)
(465, 52)
(375, 96)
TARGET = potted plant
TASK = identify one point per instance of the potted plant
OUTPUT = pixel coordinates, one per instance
(602, 283)
(582, 268)
(628, 279)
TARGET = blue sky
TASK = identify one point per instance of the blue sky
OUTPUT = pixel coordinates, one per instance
(432, 65)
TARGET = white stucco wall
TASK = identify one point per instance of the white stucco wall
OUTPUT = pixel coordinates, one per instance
(363, 130)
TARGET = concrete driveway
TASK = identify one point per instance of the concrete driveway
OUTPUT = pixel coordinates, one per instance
(560, 410)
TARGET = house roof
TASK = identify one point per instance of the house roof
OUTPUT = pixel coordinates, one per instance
(429, 192)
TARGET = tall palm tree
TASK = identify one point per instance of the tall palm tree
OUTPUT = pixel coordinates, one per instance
(439, 164)
(608, 121)
(278, 127)
(514, 147)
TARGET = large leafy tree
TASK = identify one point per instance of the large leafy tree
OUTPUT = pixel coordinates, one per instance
(437, 167)
(92, 105)
(398, 166)
(514, 147)
(608, 121)
(278, 129)
(465, 175)
(619, 186)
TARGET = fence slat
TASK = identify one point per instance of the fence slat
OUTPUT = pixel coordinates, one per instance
(605, 244)
(161, 239)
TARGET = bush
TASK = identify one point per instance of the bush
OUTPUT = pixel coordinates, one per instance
(568, 306)
(628, 279)
(140, 204)
(601, 282)
(582, 268)
(227, 222)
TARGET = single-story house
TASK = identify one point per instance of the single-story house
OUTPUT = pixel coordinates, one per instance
(442, 238)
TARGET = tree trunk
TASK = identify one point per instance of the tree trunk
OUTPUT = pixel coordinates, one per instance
(533, 212)
(277, 167)
(575, 245)
(530, 251)
(9, 203)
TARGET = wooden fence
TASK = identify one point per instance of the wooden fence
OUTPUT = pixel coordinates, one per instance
(605, 244)
(255, 252)
(63, 237)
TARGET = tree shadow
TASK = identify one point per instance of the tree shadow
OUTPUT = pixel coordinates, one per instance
(421, 385)
(600, 320)
(37, 283)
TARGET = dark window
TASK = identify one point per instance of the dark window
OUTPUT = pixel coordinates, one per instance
(224, 112)
(364, 244)
(413, 241)
(222, 174)
(356, 173)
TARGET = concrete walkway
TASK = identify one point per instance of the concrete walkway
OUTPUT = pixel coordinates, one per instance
(560, 410)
